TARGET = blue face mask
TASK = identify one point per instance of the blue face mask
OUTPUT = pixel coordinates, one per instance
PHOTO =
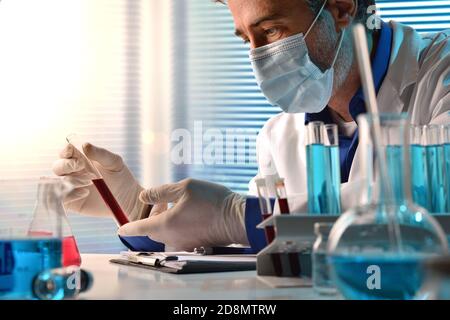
(289, 79)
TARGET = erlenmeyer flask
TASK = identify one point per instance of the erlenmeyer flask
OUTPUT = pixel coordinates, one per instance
(50, 218)
(378, 248)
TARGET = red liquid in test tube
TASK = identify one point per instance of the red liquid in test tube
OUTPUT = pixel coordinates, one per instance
(284, 206)
(266, 213)
(294, 259)
(270, 231)
(111, 201)
(100, 183)
(276, 258)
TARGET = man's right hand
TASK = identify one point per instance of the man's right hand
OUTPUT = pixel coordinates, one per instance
(85, 199)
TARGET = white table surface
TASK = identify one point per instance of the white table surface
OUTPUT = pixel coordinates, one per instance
(115, 282)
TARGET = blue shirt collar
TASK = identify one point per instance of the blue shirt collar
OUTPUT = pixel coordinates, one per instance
(380, 65)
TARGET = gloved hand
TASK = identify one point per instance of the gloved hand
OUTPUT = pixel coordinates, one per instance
(204, 214)
(85, 199)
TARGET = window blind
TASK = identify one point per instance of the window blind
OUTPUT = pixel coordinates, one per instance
(215, 84)
(68, 67)
(219, 91)
(424, 16)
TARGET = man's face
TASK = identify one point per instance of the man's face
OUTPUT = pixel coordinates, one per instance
(262, 22)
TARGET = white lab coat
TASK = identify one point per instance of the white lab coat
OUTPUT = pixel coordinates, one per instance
(417, 82)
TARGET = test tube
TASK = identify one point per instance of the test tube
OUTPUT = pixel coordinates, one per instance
(334, 167)
(419, 169)
(282, 197)
(266, 207)
(316, 158)
(446, 141)
(435, 165)
(394, 136)
(267, 212)
(100, 184)
(294, 259)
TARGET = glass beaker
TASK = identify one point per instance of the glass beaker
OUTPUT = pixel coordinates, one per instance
(377, 249)
(49, 203)
(23, 256)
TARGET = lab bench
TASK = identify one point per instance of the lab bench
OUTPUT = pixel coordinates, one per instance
(116, 282)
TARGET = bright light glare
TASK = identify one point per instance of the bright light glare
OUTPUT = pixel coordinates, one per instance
(59, 62)
(40, 69)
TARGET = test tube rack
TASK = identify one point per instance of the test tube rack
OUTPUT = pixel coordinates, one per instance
(295, 234)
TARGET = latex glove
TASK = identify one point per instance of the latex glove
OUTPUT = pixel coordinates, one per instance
(204, 214)
(85, 198)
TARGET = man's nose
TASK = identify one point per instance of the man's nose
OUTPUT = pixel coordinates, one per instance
(257, 43)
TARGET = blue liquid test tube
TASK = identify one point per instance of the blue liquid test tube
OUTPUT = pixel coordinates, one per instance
(317, 173)
(419, 173)
(394, 136)
(334, 167)
(446, 140)
(435, 161)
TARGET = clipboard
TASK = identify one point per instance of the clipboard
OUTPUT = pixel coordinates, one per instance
(187, 263)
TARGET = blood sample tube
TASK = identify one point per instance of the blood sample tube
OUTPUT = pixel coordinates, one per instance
(282, 197)
(267, 212)
(100, 184)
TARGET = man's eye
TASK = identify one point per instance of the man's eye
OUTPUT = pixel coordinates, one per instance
(271, 32)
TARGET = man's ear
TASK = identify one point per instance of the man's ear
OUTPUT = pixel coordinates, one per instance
(343, 12)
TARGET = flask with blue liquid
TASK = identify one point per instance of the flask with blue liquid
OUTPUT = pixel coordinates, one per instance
(377, 250)
(23, 255)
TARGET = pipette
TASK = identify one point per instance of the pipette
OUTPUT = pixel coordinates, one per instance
(100, 183)
(363, 57)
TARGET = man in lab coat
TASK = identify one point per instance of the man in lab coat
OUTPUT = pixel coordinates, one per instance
(303, 58)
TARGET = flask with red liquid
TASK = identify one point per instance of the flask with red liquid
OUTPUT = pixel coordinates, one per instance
(50, 219)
